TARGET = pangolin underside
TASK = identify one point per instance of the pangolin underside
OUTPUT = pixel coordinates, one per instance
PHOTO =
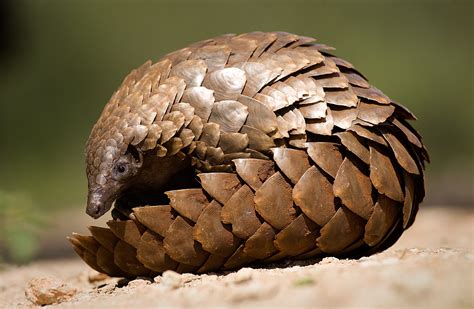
(248, 148)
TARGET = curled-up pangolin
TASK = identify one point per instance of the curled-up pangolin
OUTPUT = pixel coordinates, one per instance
(248, 148)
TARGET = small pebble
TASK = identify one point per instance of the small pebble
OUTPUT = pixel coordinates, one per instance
(243, 275)
(171, 279)
(188, 277)
(137, 283)
(47, 291)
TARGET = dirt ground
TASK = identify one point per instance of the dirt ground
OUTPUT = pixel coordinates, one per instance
(432, 265)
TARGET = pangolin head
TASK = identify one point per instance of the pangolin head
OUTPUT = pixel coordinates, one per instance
(112, 157)
(111, 164)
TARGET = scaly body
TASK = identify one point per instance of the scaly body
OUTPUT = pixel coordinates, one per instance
(248, 148)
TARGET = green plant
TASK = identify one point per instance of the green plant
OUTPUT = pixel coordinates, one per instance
(20, 222)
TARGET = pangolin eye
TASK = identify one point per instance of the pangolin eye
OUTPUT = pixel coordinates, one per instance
(122, 168)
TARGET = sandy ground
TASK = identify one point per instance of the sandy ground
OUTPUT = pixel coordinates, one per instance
(432, 265)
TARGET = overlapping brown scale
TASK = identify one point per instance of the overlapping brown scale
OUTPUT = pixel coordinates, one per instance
(298, 141)
(86, 242)
(238, 259)
(293, 163)
(213, 262)
(128, 231)
(212, 235)
(327, 67)
(227, 83)
(374, 113)
(176, 117)
(342, 97)
(264, 40)
(173, 146)
(314, 195)
(229, 115)
(298, 237)
(381, 220)
(258, 140)
(274, 202)
(282, 39)
(202, 99)
(372, 93)
(221, 186)
(408, 208)
(186, 136)
(340, 62)
(279, 99)
(334, 80)
(341, 231)
(210, 134)
(258, 75)
(179, 56)
(295, 121)
(260, 245)
(254, 171)
(402, 155)
(191, 71)
(154, 133)
(188, 202)
(196, 126)
(367, 133)
(354, 188)
(233, 142)
(326, 155)
(259, 115)
(412, 137)
(302, 90)
(314, 111)
(215, 56)
(89, 258)
(356, 79)
(322, 126)
(168, 130)
(152, 255)
(312, 55)
(344, 117)
(242, 49)
(186, 109)
(125, 259)
(403, 111)
(105, 260)
(292, 61)
(290, 93)
(228, 158)
(383, 174)
(239, 211)
(104, 236)
(355, 145)
(180, 245)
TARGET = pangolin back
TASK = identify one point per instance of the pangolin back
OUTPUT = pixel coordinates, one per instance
(297, 156)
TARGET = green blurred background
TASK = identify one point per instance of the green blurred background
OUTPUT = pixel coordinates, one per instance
(61, 60)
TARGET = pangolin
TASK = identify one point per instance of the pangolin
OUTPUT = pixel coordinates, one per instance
(244, 149)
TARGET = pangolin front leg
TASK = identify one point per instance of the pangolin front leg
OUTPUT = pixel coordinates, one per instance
(248, 148)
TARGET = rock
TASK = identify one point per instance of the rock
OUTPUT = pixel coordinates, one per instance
(171, 279)
(188, 277)
(138, 283)
(243, 275)
(47, 291)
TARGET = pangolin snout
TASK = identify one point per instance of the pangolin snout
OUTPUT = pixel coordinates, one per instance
(98, 204)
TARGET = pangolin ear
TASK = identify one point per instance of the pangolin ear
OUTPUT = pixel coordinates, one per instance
(137, 156)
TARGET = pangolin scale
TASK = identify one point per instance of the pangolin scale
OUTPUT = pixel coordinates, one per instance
(248, 148)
